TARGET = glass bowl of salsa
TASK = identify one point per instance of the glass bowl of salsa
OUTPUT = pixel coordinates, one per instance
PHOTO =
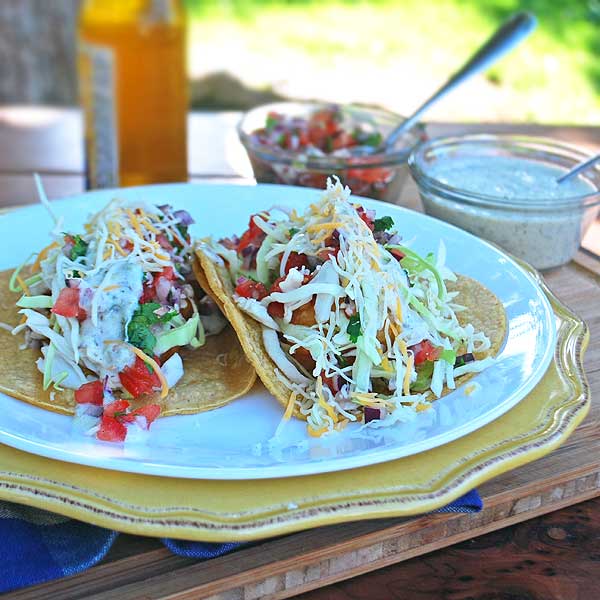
(303, 143)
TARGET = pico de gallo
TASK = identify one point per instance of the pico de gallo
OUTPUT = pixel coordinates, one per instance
(109, 310)
(360, 326)
(330, 131)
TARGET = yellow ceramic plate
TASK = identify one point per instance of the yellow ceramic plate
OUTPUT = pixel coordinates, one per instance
(242, 510)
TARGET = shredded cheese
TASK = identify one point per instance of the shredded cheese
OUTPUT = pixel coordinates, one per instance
(317, 432)
(324, 226)
(289, 409)
(135, 222)
(23, 285)
(407, 373)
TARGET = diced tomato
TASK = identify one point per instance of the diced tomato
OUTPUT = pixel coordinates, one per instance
(138, 380)
(333, 383)
(425, 350)
(148, 293)
(296, 260)
(375, 175)
(150, 411)
(90, 393)
(313, 179)
(149, 288)
(276, 310)
(111, 430)
(246, 288)
(303, 139)
(368, 216)
(396, 254)
(343, 140)
(317, 136)
(167, 273)
(126, 244)
(276, 287)
(254, 235)
(118, 406)
(67, 304)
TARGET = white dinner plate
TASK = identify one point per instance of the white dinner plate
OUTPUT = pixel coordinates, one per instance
(235, 442)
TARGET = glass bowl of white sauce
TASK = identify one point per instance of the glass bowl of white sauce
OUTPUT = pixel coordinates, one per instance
(503, 188)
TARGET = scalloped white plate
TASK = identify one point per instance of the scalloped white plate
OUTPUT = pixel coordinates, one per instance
(233, 442)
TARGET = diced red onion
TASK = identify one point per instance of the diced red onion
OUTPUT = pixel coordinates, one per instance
(163, 287)
(183, 217)
(372, 414)
(249, 255)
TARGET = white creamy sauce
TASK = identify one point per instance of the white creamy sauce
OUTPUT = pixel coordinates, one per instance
(509, 178)
(546, 237)
(115, 308)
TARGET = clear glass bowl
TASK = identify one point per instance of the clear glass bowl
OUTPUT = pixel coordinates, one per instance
(544, 230)
(381, 176)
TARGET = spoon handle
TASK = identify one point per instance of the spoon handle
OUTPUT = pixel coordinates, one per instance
(510, 33)
(579, 168)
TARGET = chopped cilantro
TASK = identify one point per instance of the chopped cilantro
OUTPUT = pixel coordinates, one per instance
(353, 329)
(138, 331)
(272, 120)
(384, 223)
(293, 231)
(79, 246)
(367, 139)
(373, 139)
(183, 230)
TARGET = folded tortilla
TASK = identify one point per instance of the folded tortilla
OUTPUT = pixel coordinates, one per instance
(484, 311)
(214, 374)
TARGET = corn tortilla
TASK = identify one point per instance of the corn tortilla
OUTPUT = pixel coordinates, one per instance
(214, 374)
(484, 311)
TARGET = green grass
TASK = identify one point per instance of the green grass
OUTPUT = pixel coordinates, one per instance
(553, 77)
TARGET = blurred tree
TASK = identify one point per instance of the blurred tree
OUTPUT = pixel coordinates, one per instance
(37, 51)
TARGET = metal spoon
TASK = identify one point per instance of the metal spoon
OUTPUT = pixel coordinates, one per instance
(510, 33)
(578, 168)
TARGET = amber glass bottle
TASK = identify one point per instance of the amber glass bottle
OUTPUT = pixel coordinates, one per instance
(133, 89)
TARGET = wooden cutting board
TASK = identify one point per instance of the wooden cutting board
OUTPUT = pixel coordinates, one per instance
(296, 563)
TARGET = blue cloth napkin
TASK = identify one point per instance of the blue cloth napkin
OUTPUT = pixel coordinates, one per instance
(38, 546)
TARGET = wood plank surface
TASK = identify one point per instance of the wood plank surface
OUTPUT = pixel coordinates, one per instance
(554, 557)
(557, 556)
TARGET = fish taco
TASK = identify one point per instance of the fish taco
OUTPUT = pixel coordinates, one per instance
(111, 325)
(344, 322)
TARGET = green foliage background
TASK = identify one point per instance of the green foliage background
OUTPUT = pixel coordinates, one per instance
(553, 77)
